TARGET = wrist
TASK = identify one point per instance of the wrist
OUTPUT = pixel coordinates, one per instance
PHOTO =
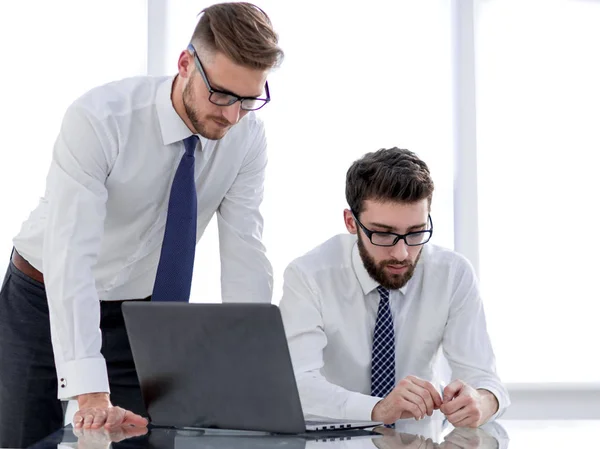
(490, 404)
(380, 412)
(94, 400)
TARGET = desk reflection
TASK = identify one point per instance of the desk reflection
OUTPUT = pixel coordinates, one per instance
(425, 434)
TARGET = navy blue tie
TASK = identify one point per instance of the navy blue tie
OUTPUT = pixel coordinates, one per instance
(383, 357)
(176, 264)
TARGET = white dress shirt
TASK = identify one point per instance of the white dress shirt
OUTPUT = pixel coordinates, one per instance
(98, 231)
(329, 308)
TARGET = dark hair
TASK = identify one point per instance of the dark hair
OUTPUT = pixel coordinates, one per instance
(388, 175)
(241, 31)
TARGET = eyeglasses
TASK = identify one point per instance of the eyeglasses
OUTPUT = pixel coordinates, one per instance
(377, 238)
(223, 98)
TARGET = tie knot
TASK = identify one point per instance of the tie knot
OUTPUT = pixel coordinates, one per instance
(190, 144)
(384, 293)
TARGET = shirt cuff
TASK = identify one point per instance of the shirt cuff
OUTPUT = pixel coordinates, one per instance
(82, 376)
(360, 406)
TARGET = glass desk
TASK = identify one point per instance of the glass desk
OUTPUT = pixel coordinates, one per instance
(425, 434)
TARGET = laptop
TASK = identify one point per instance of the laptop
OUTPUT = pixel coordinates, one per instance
(224, 366)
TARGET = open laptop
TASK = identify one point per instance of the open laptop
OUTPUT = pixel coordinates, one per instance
(224, 366)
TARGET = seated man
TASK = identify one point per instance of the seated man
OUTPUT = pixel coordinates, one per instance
(366, 314)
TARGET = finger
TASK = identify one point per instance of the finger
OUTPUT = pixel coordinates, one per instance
(134, 419)
(452, 390)
(458, 416)
(469, 421)
(77, 420)
(88, 419)
(99, 419)
(409, 410)
(417, 401)
(425, 395)
(435, 395)
(455, 405)
(114, 417)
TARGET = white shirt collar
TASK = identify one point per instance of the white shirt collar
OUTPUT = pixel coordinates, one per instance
(172, 127)
(367, 283)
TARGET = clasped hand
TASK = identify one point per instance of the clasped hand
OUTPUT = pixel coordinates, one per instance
(414, 398)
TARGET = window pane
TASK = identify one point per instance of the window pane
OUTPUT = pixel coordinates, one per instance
(538, 144)
(52, 52)
(357, 77)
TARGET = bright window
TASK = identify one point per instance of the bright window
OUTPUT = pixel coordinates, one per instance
(538, 143)
(52, 52)
(357, 77)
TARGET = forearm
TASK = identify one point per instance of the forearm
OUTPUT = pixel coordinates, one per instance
(324, 399)
(246, 273)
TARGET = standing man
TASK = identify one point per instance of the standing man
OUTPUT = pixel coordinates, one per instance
(139, 168)
(366, 313)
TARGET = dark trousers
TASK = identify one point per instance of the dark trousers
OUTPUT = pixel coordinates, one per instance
(29, 408)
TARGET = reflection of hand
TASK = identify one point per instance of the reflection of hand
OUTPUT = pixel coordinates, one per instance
(395, 440)
(102, 438)
(463, 438)
(411, 398)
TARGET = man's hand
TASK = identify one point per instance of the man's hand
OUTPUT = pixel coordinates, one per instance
(411, 398)
(96, 410)
(466, 407)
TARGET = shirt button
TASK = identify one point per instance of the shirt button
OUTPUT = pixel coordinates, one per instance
(63, 383)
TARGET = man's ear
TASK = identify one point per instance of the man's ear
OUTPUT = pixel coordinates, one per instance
(350, 222)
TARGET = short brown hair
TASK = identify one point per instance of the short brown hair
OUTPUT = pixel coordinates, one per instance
(241, 31)
(388, 175)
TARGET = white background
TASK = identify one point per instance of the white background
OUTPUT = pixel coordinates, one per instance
(359, 76)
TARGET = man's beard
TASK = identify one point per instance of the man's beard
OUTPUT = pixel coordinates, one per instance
(189, 99)
(377, 271)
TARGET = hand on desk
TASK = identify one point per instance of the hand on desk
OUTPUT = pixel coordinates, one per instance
(102, 438)
(411, 398)
(414, 398)
(466, 407)
(96, 410)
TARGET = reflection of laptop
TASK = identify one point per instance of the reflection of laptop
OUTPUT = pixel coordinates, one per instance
(349, 439)
(223, 366)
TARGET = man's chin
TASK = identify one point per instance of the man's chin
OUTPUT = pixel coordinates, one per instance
(394, 284)
(397, 281)
(214, 134)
